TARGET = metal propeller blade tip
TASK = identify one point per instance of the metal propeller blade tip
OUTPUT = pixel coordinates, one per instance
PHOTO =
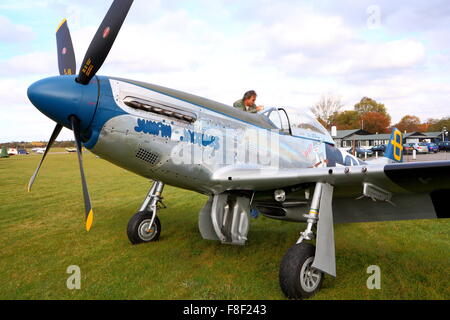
(87, 200)
(89, 220)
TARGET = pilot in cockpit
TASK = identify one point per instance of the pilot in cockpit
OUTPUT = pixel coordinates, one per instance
(247, 103)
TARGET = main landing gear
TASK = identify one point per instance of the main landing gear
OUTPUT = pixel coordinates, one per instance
(145, 226)
(301, 272)
(298, 279)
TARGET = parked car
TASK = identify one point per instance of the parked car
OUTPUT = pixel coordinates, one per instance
(380, 149)
(432, 147)
(407, 148)
(444, 145)
(22, 151)
(420, 147)
(361, 153)
(12, 151)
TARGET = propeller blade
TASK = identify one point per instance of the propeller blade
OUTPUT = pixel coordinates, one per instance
(103, 40)
(53, 137)
(87, 200)
(66, 55)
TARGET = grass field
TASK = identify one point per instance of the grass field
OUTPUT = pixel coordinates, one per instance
(42, 233)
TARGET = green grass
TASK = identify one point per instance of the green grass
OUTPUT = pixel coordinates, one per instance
(42, 233)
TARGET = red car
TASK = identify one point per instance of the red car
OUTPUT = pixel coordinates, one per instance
(407, 148)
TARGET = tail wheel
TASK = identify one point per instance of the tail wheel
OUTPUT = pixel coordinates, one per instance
(139, 229)
(298, 279)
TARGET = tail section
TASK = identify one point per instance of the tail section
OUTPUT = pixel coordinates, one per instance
(394, 149)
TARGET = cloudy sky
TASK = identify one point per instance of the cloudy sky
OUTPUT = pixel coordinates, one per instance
(290, 52)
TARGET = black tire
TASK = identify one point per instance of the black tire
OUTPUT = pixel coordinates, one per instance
(136, 228)
(296, 261)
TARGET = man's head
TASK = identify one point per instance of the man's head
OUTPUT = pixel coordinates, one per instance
(249, 98)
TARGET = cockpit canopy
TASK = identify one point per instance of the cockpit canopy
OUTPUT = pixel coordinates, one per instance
(297, 123)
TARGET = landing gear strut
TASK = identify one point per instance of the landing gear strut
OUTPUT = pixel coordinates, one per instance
(145, 226)
(302, 267)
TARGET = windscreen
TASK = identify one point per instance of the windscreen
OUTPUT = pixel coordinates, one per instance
(303, 124)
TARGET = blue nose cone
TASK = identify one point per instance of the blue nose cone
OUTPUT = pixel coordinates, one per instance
(61, 97)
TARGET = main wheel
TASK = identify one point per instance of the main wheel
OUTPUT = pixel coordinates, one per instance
(138, 230)
(298, 279)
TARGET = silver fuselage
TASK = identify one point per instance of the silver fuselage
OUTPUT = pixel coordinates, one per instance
(214, 141)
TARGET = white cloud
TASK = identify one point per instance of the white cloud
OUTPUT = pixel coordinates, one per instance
(402, 53)
(42, 63)
(301, 30)
(10, 32)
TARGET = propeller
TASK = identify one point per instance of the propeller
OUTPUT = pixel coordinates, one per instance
(87, 200)
(53, 137)
(66, 55)
(95, 56)
(103, 40)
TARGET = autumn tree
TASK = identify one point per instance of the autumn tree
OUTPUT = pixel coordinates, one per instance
(346, 120)
(374, 122)
(367, 114)
(438, 124)
(423, 127)
(409, 124)
(432, 124)
(369, 105)
(326, 107)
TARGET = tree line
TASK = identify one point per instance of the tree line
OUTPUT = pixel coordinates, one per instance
(371, 116)
(29, 145)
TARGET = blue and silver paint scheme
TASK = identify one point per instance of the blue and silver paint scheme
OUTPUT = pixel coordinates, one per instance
(144, 142)
(227, 148)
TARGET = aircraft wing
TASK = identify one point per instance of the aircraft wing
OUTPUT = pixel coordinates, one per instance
(417, 190)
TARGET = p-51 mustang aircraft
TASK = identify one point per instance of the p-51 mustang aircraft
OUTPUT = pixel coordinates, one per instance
(279, 163)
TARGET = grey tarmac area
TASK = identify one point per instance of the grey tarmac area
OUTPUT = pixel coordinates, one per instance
(439, 156)
(443, 155)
